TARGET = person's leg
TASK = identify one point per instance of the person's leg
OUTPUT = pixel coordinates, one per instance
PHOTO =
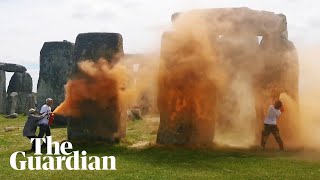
(42, 132)
(48, 132)
(33, 143)
(264, 136)
(276, 134)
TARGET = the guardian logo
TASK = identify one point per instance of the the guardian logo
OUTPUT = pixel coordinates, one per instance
(60, 158)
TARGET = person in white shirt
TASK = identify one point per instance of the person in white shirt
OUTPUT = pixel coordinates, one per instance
(270, 124)
(43, 123)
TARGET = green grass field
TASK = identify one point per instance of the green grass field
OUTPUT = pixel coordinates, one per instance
(138, 158)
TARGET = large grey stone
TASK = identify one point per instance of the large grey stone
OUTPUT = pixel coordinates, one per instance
(236, 20)
(2, 91)
(12, 103)
(22, 84)
(105, 126)
(270, 68)
(31, 103)
(55, 66)
(11, 116)
(93, 46)
(9, 67)
(180, 122)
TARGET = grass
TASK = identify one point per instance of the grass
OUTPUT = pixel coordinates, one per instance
(155, 162)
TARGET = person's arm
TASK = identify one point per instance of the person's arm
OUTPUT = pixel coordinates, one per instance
(44, 110)
(38, 118)
(278, 114)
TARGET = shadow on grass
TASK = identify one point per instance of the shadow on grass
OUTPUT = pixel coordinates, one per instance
(174, 154)
(159, 153)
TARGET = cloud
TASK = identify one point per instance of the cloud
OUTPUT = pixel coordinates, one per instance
(26, 26)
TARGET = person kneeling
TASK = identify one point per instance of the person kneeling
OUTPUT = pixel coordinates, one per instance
(31, 125)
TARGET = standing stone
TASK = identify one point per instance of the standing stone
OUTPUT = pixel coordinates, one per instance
(93, 46)
(186, 116)
(12, 103)
(2, 91)
(97, 124)
(11, 116)
(280, 75)
(22, 84)
(31, 103)
(55, 68)
(274, 73)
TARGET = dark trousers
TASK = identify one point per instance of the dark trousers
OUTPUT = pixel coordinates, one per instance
(44, 130)
(269, 128)
(33, 143)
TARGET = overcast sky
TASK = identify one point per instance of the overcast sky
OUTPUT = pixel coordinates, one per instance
(27, 24)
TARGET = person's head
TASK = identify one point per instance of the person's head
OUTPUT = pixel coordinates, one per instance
(32, 111)
(278, 104)
(49, 102)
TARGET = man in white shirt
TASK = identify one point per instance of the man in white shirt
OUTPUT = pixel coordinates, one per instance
(43, 123)
(270, 124)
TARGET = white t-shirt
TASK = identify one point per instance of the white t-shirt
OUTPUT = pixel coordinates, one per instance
(45, 109)
(272, 115)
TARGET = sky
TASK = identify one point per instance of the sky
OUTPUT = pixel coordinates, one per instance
(27, 24)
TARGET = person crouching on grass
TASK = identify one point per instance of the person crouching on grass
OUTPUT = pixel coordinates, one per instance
(44, 122)
(31, 125)
(270, 124)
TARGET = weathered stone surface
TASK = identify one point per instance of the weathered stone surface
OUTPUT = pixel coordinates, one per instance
(280, 75)
(56, 62)
(134, 114)
(93, 46)
(238, 20)
(2, 91)
(105, 126)
(12, 103)
(11, 116)
(269, 69)
(35, 98)
(12, 67)
(22, 84)
(31, 103)
(181, 122)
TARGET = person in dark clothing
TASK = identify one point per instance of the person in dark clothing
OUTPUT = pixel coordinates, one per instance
(31, 125)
